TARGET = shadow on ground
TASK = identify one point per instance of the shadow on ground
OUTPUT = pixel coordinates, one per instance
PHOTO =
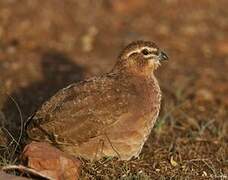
(58, 71)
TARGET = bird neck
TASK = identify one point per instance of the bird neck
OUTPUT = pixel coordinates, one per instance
(147, 80)
(134, 74)
(125, 70)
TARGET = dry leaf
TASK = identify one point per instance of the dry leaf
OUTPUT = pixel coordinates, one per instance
(173, 162)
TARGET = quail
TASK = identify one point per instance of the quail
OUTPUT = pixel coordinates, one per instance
(108, 115)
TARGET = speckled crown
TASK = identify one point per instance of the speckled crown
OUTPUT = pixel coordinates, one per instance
(136, 45)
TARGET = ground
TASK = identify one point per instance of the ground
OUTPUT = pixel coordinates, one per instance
(46, 46)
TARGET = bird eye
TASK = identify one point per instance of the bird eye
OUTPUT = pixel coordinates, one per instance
(145, 52)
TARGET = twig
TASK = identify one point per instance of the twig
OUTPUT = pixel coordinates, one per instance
(22, 169)
(22, 125)
(194, 160)
(210, 167)
(11, 136)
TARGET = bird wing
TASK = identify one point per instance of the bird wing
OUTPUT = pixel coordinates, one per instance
(83, 110)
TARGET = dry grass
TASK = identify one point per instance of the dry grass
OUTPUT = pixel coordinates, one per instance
(190, 138)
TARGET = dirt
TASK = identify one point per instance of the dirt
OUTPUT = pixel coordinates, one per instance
(46, 46)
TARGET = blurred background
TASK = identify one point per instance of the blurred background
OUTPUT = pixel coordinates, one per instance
(46, 45)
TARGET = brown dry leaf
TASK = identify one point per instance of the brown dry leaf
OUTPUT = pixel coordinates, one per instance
(173, 162)
(51, 162)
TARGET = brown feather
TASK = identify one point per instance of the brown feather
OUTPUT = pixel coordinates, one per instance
(111, 115)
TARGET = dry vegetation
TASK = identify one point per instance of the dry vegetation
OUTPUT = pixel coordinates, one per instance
(45, 46)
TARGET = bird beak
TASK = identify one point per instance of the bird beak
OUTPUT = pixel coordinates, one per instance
(163, 56)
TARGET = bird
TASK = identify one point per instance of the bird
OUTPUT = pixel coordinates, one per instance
(110, 115)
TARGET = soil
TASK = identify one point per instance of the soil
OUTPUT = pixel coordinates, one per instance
(46, 46)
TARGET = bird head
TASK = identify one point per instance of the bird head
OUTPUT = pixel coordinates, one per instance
(141, 57)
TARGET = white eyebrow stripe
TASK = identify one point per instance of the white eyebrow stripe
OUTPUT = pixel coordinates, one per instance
(149, 49)
(136, 51)
(140, 49)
